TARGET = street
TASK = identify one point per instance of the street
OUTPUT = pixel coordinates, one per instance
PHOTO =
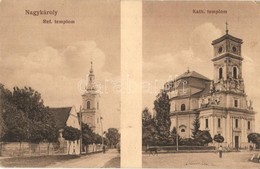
(200, 160)
(89, 161)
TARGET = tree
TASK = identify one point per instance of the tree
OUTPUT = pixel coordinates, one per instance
(203, 136)
(196, 126)
(71, 134)
(253, 137)
(218, 138)
(149, 129)
(163, 121)
(113, 136)
(87, 135)
(174, 135)
(34, 122)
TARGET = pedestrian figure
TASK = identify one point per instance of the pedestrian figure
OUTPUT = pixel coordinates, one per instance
(220, 151)
(104, 149)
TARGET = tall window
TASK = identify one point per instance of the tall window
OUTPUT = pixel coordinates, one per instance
(235, 103)
(206, 123)
(219, 123)
(97, 105)
(183, 107)
(236, 123)
(220, 73)
(235, 72)
(88, 104)
(248, 125)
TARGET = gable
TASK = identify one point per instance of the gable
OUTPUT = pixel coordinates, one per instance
(60, 115)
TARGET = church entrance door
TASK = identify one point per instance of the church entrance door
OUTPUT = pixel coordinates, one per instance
(236, 142)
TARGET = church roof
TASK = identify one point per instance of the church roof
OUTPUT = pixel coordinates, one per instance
(60, 115)
(205, 91)
(227, 36)
(193, 74)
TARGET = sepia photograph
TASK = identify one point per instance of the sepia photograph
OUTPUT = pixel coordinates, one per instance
(200, 84)
(60, 84)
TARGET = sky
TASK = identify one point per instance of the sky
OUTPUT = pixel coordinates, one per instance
(175, 39)
(54, 59)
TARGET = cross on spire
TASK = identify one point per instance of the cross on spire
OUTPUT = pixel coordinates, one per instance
(226, 27)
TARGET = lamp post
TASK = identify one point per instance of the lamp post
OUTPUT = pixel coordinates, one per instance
(177, 125)
(80, 118)
(101, 119)
(177, 138)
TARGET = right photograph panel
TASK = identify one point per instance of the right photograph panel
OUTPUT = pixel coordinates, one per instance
(200, 84)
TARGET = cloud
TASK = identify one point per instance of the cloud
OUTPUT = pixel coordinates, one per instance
(196, 56)
(60, 76)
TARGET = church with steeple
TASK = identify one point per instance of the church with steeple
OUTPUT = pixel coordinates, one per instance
(221, 103)
(90, 104)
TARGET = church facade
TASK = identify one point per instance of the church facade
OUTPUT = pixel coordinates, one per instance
(221, 103)
(90, 110)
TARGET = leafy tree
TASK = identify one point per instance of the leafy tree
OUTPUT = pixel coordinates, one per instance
(149, 129)
(34, 122)
(203, 136)
(163, 121)
(113, 136)
(174, 136)
(97, 138)
(16, 124)
(2, 123)
(196, 126)
(30, 103)
(87, 135)
(253, 137)
(71, 134)
(218, 138)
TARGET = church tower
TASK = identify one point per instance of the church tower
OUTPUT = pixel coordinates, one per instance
(232, 109)
(90, 104)
(228, 64)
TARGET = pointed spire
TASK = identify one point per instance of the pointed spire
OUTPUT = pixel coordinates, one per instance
(91, 79)
(91, 67)
(226, 27)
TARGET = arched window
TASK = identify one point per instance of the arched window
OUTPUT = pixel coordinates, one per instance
(88, 104)
(183, 107)
(220, 73)
(182, 130)
(235, 72)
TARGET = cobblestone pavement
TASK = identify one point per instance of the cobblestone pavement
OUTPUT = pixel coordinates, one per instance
(89, 161)
(201, 160)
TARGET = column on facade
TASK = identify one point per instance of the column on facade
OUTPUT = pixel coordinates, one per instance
(253, 124)
(227, 129)
(223, 127)
(202, 121)
(243, 130)
(190, 121)
(214, 125)
(211, 125)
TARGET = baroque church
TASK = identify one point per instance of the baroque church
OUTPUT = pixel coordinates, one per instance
(90, 104)
(221, 103)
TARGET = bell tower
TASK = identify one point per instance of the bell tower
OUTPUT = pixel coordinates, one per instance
(90, 104)
(228, 63)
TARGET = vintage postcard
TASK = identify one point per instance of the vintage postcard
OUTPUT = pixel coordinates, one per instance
(129, 83)
(59, 83)
(200, 75)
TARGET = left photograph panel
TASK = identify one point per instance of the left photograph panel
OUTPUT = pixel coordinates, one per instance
(60, 83)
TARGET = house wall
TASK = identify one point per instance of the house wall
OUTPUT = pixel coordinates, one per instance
(73, 147)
